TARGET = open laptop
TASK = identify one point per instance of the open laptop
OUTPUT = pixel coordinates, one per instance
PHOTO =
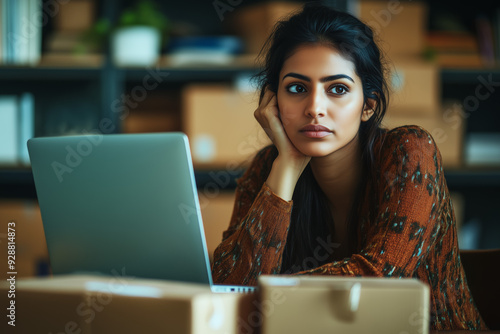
(122, 203)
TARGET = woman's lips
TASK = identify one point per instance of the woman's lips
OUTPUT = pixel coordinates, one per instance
(315, 131)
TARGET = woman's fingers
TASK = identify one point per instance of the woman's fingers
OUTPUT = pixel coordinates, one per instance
(267, 114)
(268, 95)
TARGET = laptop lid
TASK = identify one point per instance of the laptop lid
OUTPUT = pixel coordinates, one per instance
(123, 203)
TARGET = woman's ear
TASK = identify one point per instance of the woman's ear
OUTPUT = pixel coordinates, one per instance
(368, 109)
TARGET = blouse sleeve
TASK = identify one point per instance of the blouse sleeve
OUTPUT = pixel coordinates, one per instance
(252, 245)
(411, 190)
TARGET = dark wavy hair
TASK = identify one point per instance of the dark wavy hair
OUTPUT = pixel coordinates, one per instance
(319, 24)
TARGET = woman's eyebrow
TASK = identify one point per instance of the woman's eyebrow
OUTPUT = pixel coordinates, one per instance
(335, 77)
(325, 79)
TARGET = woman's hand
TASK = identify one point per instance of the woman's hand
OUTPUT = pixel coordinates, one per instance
(290, 162)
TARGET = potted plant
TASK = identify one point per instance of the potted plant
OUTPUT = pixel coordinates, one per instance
(139, 35)
(136, 39)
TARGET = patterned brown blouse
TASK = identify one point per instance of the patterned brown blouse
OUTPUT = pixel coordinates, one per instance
(413, 234)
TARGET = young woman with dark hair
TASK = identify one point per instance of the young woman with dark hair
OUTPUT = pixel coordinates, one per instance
(336, 194)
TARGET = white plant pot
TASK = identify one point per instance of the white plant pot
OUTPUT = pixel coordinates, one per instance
(136, 46)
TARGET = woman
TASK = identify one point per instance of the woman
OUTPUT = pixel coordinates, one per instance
(335, 194)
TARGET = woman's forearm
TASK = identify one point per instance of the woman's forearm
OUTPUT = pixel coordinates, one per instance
(284, 176)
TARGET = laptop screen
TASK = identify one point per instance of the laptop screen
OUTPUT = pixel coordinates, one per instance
(123, 203)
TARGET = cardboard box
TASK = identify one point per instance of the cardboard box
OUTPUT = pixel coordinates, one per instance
(31, 255)
(415, 87)
(158, 111)
(150, 121)
(74, 15)
(216, 214)
(312, 304)
(256, 22)
(458, 202)
(115, 304)
(400, 27)
(220, 124)
(447, 127)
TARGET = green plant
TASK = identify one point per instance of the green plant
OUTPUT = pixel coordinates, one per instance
(143, 13)
(95, 38)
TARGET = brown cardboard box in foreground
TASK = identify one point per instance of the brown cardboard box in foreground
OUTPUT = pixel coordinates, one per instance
(446, 126)
(312, 304)
(98, 305)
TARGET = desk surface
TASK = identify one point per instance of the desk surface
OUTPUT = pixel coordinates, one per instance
(464, 332)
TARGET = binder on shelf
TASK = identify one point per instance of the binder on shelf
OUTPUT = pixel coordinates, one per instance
(26, 126)
(2, 29)
(20, 32)
(35, 50)
(8, 130)
(485, 39)
(16, 127)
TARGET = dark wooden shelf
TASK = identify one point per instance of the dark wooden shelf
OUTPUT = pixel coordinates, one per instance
(199, 73)
(188, 74)
(478, 177)
(469, 75)
(19, 183)
(48, 73)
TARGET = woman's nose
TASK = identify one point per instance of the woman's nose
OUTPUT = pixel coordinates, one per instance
(316, 106)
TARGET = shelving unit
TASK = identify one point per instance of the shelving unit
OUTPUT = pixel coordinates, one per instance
(77, 96)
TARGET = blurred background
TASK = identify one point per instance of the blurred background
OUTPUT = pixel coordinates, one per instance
(88, 66)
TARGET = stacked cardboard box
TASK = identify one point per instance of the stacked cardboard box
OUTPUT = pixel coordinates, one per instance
(414, 83)
(157, 112)
(31, 255)
(216, 213)
(254, 23)
(220, 124)
(119, 304)
(73, 19)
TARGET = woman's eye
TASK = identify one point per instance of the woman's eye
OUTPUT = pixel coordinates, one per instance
(296, 88)
(339, 90)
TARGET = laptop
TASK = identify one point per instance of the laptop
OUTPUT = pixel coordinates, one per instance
(122, 203)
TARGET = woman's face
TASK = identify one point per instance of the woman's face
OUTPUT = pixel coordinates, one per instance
(320, 99)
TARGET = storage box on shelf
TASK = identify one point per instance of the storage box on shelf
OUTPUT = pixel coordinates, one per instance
(457, 199)
(399, 27)
(415, 85)
(31, 256)
(446, 125)
(75, 15)
(220, 124)
(216, 210)
(254, 23)
(70, 24)
(159, 111)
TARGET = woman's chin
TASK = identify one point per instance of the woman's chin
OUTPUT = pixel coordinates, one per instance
(316, 150)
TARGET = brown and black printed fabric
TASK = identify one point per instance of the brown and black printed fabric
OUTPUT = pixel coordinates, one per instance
(412, 232)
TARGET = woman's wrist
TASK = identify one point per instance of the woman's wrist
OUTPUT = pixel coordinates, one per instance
(283, 178)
